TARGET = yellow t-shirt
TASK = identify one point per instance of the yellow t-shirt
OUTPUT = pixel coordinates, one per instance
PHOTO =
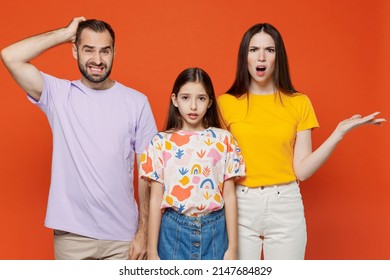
(265, 129)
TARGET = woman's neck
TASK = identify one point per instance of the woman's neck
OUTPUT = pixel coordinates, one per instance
(262, 89)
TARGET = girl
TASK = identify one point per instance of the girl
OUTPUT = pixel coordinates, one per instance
(192, 166)
(272, 122)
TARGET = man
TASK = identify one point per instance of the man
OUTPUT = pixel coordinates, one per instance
(98, 126)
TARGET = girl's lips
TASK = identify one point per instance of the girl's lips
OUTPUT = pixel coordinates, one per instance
(192, 116)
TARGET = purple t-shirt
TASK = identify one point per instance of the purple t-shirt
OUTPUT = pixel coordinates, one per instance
(96, 134)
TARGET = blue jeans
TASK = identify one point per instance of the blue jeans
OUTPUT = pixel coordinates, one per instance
(192, 238)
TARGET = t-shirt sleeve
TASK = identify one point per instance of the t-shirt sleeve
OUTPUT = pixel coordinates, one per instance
(235, 166)
(146, 128)
(223, 108)
(51, 87)
(152, 162)
(307, 119)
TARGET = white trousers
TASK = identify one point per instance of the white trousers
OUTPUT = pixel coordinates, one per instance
(271, 222)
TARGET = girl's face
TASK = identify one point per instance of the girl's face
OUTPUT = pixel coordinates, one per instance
(261, 63)
(192, 101)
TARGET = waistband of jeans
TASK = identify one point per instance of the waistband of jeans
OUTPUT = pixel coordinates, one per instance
(204, 220)
(293, 183)
(270, 187)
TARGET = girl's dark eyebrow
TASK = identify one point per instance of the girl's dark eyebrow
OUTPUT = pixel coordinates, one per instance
(187, 93)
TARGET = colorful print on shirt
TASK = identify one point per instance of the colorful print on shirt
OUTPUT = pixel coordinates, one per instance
(192, 166)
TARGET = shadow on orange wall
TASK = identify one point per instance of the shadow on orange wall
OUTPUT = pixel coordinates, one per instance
(337, 52)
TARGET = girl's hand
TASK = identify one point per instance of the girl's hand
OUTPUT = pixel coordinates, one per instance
(356, 121)
(230, 254)
(153, 257)
(152, 254)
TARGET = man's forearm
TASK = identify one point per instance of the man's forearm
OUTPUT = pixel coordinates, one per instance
(143, 198)
(31, 47)
(27, 49)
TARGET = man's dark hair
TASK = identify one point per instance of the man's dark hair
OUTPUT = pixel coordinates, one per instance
(95, 25)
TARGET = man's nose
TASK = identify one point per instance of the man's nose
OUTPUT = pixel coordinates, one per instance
(97, 58)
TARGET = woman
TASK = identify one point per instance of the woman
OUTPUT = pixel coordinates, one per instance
(272, 123)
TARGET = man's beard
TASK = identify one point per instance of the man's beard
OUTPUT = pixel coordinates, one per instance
(91, 78)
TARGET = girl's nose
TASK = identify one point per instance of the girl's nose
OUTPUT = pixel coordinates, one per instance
(193, 104)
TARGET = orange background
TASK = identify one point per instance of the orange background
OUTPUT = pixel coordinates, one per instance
(338, 53)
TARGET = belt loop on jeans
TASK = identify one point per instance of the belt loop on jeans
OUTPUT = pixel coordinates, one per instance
(276, 189)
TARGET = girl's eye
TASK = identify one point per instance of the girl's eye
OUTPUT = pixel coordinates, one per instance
(252, 49)
(271, 50)
(184, 97)
(202, 98)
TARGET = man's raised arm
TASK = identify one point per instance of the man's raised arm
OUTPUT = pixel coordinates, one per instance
(17, 56)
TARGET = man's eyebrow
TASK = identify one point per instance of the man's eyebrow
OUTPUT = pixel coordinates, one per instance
(89, 47)
(93, 47)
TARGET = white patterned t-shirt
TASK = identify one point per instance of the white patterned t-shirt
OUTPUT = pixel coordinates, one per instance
(192, 166)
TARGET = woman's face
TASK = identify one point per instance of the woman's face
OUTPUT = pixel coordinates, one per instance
(261, 62)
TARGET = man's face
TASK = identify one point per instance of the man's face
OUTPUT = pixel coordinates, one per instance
(95, 56)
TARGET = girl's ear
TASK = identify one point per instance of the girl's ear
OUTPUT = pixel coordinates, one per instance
(210, 103)
(174, 100)
(74, 51)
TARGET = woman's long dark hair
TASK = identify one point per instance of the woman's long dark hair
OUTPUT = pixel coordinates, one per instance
(195, 75)
(281, 75)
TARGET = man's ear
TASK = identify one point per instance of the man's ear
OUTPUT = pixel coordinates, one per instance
(174, 100)
(74, 51)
